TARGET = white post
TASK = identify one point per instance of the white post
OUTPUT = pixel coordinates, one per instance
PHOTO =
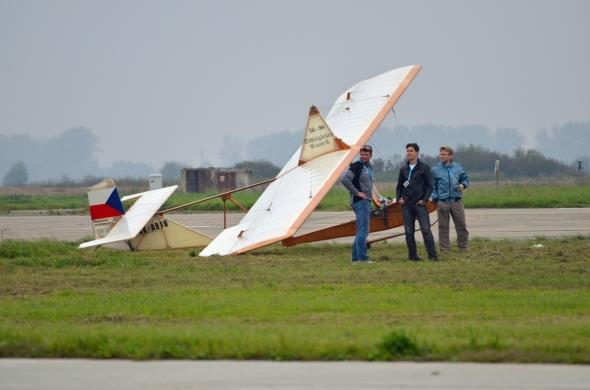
(497, 170)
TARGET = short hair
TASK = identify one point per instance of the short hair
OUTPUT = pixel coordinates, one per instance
(414, 146)
(367, 148)
(447, 149)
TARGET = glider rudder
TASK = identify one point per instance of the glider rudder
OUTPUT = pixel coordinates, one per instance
(105, 207)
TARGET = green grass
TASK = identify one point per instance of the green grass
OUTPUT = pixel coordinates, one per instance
(502, 301)
(477, 196)
(527, 195)
(42, 202)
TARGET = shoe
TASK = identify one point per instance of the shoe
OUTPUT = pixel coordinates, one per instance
(362, 261)
(434, 258)
(414, 258)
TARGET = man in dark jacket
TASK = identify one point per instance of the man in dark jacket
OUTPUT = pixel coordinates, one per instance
(414, 186)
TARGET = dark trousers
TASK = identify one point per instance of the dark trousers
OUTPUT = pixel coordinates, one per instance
(411, 213)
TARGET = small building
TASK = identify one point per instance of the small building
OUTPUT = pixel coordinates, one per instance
(218, 179)
(155, 181)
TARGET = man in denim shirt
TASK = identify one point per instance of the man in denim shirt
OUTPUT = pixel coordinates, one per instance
(450, 180)
(358, 180)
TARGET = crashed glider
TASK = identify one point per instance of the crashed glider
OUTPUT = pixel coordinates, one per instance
(328, 147)
(142, 226)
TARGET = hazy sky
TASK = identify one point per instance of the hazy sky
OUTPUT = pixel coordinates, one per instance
(168, 80)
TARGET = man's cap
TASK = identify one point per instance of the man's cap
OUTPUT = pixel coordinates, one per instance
(367, 148)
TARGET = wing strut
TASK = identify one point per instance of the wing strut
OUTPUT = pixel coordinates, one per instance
(221, 195)
(225, 196)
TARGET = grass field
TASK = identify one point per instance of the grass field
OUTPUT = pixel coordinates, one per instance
(502, 301)
(477, 196)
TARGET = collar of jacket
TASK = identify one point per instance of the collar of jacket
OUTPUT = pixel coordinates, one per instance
(368, 164)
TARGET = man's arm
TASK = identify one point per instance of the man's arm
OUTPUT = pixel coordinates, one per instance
(427, 184)
(346, 181)
(398, 188)
(434, 194)
(463, 178)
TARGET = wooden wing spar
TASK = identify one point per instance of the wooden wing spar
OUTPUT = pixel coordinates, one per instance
(312, 171)
(385, 218)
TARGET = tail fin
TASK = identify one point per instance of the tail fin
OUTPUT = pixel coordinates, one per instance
(105, 207)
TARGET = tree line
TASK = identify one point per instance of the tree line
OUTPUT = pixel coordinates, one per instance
(72, 155)
(480, 162)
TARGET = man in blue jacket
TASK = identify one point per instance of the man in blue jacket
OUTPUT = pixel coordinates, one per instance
(450, 180)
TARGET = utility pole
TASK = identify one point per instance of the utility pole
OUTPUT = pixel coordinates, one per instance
(580, 168)
(497, 170)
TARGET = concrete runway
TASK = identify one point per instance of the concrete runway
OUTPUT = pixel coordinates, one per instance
(489, 223)
(120, 374)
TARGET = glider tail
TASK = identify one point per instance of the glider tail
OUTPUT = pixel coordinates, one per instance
(105, 207)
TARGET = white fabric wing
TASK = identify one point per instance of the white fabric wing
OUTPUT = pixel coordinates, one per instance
(289, 200)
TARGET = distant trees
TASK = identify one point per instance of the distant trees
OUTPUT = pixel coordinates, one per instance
(521, 164)
(17, 175)
(275, 147)
(171, 171)
(232, 150)
(261, 169)
(72, 154)
(279, 147)
(565, 142)
(379, 165)
(585, 168)
(479, 163)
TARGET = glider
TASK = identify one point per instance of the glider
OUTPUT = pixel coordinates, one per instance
(328, 147)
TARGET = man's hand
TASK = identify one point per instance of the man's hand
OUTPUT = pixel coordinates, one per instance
(420, 202)
(461, 187)
(362, 195)
(401, 202)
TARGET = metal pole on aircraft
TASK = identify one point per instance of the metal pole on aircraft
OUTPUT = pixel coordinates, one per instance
(221, 195)
(224, 214)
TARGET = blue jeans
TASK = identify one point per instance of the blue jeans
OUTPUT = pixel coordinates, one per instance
(362, 210)
(411, 213)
